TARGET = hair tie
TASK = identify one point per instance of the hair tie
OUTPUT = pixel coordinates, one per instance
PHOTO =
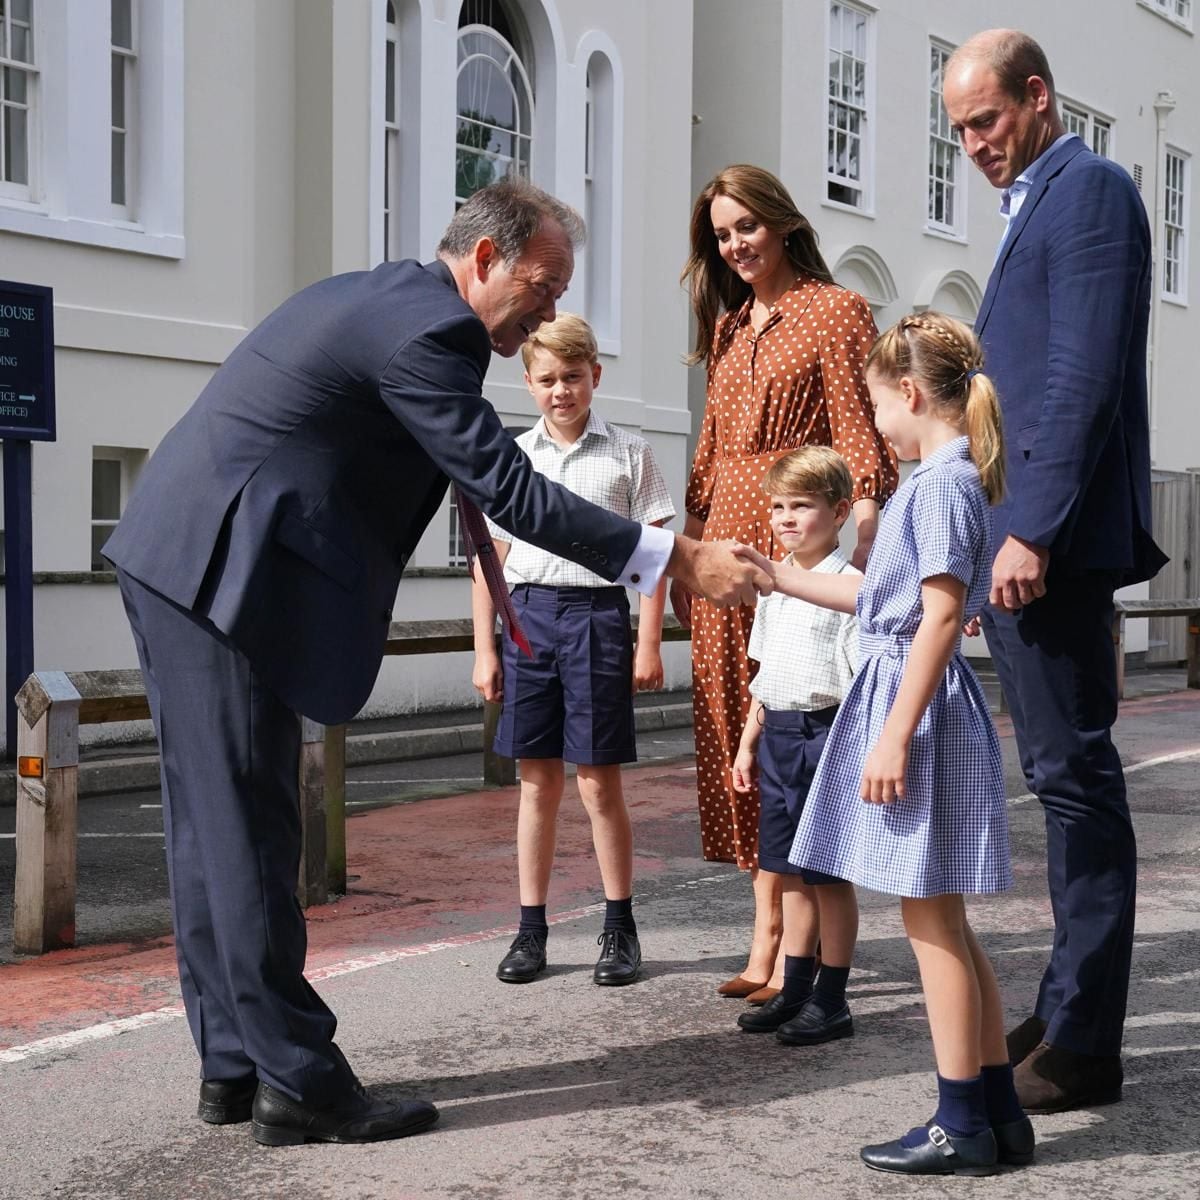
(973, 372)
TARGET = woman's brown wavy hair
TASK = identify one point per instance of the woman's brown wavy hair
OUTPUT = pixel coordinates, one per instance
(712, 285)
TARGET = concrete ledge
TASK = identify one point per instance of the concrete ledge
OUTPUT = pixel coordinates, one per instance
(139, 772)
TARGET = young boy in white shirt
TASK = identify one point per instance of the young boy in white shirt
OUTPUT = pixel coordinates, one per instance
(573, 701)
(807, 657)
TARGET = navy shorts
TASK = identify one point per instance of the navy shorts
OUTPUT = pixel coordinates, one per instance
(789, 749)
(574, 699)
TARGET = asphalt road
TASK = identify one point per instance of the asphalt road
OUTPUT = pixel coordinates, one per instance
(563, 1090)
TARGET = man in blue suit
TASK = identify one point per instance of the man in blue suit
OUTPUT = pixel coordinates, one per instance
(1063, 325)
(259, 559)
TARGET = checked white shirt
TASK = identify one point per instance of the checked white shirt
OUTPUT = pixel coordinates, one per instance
(807, 655)
(608, 466)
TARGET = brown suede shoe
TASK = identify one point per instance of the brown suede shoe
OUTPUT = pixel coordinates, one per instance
(763, 994)
(739, 987)
(1023, 1040)
(1053, 1079)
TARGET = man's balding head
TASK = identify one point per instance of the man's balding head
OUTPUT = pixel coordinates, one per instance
(999, 95)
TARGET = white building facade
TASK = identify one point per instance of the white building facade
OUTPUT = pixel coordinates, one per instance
(174, 169)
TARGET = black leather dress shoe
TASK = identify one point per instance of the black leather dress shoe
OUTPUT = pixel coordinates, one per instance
(810, 1026)
(356, 1117)
(525, 960)
(226, 1101)
(620, 958)
(1014, 1142)
(938, 1154)
(771, 1015)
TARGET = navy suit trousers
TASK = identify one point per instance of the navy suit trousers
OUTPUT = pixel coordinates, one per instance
(230, 753)
(1056, 664)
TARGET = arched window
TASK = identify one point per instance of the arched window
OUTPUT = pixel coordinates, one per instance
(864, 271)
(495, 100)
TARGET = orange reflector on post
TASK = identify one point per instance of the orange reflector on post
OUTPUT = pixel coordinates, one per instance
(29, 767)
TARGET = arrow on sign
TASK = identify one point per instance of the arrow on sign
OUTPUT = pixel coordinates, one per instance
(28, 399)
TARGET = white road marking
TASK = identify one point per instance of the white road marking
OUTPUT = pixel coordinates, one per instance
(1130, 769)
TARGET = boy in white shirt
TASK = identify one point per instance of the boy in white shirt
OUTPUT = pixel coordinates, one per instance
(807, 657)
(573, 701)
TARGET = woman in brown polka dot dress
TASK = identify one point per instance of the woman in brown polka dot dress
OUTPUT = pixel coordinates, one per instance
(784, 347)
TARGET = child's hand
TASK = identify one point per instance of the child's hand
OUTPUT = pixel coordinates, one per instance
(487, 677)
(647, 670)
(744, 769)
(883, 774)
(972, 627)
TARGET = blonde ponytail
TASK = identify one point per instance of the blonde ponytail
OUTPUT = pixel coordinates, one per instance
(985, 433)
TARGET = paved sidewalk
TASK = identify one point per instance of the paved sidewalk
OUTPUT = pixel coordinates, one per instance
(563, 1091)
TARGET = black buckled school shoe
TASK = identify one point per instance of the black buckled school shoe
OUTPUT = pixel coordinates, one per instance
(937, 1154)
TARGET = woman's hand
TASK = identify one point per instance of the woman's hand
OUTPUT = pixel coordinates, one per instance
(883, 774)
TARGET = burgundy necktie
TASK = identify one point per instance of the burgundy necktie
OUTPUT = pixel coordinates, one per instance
(481, 547)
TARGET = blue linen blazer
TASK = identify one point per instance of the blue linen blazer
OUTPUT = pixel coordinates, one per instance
(1063, 325)
(286, 502)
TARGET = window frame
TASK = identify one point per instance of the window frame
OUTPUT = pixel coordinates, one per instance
(956, 181)
(1073, 112)
(1181, 226)
(1168, 10)
(71, 196)
(126, 209)
(10, 190)
(129, 460)
(864, 184)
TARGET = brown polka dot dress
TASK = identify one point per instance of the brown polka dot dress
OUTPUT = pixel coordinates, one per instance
(797, 381)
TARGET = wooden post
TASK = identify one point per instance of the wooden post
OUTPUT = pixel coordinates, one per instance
(496, 768)
(1193, 650)
(44, 899)
(335, 808)
(1118, 636)
(312, 886)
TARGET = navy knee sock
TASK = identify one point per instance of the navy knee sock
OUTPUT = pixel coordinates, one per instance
(1003, 1107)
(618, 914)
(797, 978)
(533, 919)
(830, 989)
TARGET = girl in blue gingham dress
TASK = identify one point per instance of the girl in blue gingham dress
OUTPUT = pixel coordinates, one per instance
(909, 794)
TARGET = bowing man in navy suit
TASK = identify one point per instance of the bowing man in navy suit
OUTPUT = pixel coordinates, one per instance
(259, 559)
(1063, 325)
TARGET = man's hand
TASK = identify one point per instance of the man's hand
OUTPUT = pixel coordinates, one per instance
(681, 603)
(488, 677)
(1018, 574)
(714, 571)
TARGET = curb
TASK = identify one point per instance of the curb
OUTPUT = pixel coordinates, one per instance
(139, 772)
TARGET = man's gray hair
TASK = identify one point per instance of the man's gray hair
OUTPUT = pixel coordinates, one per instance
(509, 212)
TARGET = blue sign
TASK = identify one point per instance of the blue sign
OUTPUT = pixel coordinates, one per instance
(26, 362)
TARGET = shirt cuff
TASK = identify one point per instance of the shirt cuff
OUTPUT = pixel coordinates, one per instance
(648, 562)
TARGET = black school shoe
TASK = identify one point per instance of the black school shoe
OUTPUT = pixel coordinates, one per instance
(810, 1026)
(226, 1101)
(938, 1154)
(525, 960)
(620, 958)
(769, 1016)
(356, 1117)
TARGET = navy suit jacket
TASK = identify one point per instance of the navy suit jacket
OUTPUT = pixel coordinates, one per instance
(286, 502)
(1063, 326)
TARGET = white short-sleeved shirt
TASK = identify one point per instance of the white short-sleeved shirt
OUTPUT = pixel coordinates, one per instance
(608, 466)
(807, 655)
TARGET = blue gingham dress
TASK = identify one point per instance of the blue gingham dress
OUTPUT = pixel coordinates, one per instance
(949, 834)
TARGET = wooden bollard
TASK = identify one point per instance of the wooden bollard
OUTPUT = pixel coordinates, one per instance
(44, 899)
(312, 886)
